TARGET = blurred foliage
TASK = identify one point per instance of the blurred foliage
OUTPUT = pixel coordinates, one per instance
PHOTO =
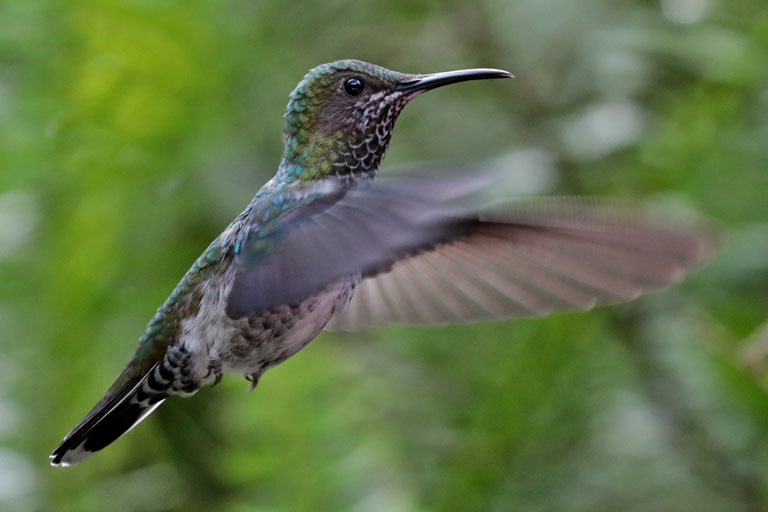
(132, 131)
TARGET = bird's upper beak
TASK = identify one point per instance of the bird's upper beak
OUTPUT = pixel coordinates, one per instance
(431, 81)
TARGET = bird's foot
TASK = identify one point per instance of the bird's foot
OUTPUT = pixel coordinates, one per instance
(214, 368)
(253, 378)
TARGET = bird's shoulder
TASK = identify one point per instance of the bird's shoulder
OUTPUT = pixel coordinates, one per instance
(278, 206)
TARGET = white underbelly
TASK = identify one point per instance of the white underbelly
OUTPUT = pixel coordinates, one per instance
(253, 344)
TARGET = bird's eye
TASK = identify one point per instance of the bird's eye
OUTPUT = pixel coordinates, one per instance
(354, 86)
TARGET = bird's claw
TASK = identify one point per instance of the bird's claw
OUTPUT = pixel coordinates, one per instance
(253, 378)
(214, 367)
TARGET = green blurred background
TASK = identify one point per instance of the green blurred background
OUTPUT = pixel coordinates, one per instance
(132, 131)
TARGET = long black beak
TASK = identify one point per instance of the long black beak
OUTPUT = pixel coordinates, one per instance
(427, 82)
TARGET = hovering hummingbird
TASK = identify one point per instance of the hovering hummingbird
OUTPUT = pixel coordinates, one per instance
(321, 246)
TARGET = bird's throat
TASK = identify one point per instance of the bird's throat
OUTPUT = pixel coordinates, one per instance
(319, 155)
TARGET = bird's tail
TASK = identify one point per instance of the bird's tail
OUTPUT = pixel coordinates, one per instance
(122, 407)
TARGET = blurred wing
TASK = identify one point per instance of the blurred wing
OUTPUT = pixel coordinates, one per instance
(356, 232)
(529, 260)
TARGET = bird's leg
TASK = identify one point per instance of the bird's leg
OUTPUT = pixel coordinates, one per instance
(214, 368)
(253, 378)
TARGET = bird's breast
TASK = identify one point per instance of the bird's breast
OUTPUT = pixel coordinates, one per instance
(254, 343)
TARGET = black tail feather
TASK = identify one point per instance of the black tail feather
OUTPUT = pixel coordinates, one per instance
(107, 421)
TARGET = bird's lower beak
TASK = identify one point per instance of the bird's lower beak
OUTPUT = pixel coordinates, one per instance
(431, 81)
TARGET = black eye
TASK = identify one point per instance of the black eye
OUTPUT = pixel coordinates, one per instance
(354, 86)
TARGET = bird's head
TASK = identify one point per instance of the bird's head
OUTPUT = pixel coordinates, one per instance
(340, 116)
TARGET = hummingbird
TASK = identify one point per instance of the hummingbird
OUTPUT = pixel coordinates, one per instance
(322, 245)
